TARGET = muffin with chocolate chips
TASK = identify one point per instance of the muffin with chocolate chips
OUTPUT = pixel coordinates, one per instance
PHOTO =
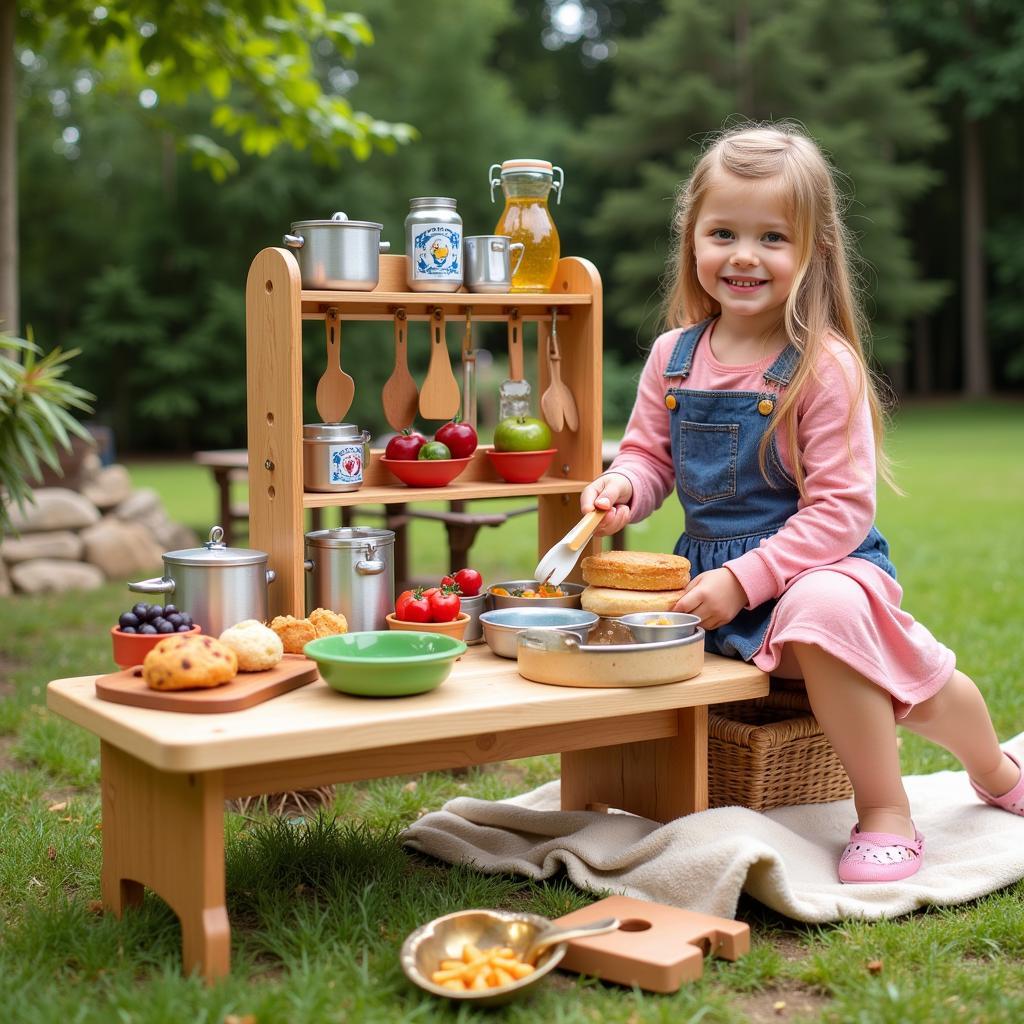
(189, 663)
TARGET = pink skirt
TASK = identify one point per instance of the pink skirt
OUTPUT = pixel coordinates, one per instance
(851, 609)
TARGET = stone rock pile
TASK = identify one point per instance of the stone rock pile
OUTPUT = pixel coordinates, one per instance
(78, 539)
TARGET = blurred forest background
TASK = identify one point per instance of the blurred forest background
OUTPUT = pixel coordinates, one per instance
(160, 145)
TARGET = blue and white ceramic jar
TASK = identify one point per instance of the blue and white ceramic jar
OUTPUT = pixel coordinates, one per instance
(433, 245)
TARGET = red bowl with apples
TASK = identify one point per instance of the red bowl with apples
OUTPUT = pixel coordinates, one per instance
(130, 649)
(425, 472)
(521, 467)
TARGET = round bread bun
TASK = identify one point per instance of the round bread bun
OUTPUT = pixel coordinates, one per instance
(294, 633)
(256, 646)
(189, 663)
(328, 623)
(636, 570)
(610, 601)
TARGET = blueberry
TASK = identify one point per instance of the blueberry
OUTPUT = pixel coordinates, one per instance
(155, 612)
(128, 629)
(147, 628)
(174, 619)
(165, 627)
(128, 619)
(183, 629)
(169, 610)
(186, 619)
(158, 622)
(140, 611)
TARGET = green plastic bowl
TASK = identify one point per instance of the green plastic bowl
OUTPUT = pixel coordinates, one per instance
(384, 663)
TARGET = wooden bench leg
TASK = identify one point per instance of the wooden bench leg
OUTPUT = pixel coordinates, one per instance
(165, 830)
(657, 779)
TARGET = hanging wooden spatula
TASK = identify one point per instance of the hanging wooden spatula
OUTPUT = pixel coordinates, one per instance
(559, 560)
(335, 389)
(400, 394)
(439, 396)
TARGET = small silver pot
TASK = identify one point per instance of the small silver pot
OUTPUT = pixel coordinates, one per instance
(217, 585)
(489, 262)
(333, 456)
(351, 570)
(338, 254)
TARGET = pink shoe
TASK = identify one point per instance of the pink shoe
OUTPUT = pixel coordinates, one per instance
(880, 856)
(1012, 801)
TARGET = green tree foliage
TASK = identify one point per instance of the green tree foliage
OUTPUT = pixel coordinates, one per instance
(975, 66)
(833, 67)
(154, 256)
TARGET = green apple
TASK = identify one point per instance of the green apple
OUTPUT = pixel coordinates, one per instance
(434, 450)
(522, 434)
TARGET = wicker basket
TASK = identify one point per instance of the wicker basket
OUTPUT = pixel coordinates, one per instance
(771, 752)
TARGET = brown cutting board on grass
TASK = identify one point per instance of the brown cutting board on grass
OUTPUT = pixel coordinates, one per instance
(245, 690)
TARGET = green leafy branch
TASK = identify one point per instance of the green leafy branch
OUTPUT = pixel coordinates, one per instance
(34, 418)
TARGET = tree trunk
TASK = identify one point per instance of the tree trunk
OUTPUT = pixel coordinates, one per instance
(10, 315)
(976, 369)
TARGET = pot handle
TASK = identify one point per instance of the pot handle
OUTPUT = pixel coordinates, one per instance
(271, 576)
(294, 241)
(369, 567)
(308, 565)
(156, 585)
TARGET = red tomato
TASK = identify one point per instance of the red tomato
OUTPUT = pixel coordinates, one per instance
(460, 438)
(401, 601)
(415, 609)
(450, 581)
(430, 591)
(444, 605)
(469, 582)
(405, 445)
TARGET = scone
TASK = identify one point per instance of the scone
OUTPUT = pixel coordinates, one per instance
(294, 633)
(189, 663)
(636, 570)
(607, 601)
(256, 646)
(328, 623)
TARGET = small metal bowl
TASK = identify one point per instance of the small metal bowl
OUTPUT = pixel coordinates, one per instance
(572, 600)
(502, 625)
(445, 937)
(642, 624)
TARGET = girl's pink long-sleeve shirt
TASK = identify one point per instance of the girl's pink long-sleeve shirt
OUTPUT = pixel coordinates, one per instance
(837, 454)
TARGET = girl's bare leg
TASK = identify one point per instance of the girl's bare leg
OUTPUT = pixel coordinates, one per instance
(957, 718)
(857, 717)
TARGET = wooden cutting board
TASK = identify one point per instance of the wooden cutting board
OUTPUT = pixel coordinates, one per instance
(245, 690)
(656, 948)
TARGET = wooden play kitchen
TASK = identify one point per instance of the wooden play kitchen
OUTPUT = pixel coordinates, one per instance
(166, 774)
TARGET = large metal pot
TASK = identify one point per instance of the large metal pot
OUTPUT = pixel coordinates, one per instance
(217, 585)
(351, 570)
(338, 254)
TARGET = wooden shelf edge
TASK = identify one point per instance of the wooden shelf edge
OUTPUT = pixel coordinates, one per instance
(526, 300)
(381, 495)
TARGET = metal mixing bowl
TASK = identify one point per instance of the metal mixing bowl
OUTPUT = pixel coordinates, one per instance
(642, 624)
(502, 625)
(572, 600)
(445, 937)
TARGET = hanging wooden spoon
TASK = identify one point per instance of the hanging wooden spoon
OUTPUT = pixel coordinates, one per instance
(335, 389)
(400, 394)
(439, 396)
(567, 402)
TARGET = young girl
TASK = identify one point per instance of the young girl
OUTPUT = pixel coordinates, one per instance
(764, 414)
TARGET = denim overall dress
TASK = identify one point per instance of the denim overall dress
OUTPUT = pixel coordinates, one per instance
(730, 507)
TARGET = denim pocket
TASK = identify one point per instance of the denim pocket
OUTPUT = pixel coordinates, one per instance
(707, 459)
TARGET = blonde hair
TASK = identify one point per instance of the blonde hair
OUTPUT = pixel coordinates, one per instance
(822, 301)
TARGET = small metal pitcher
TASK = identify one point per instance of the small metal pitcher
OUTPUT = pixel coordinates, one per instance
(489, 262)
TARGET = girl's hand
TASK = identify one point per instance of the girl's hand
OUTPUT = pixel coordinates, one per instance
(611, 491)
(716, 596)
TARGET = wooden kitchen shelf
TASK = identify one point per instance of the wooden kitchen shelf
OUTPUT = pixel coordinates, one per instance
(276, 305)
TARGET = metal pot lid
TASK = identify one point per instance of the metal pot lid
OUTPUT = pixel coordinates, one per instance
(442, 201)
(215, 552)
(331, 432)
(349, 537)
(338, 220)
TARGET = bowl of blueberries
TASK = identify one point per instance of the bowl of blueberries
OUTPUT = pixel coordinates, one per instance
(141, 628)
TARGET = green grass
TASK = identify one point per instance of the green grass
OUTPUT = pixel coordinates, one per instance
(319, 907)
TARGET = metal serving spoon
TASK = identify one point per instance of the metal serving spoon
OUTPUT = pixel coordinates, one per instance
(558, 935)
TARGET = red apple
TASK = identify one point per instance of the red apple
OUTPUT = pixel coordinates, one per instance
(405, 445)
(459, 437)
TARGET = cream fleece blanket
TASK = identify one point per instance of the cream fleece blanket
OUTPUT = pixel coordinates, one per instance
(786, 858)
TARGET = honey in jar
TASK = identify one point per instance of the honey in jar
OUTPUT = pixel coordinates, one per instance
(526, 218)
